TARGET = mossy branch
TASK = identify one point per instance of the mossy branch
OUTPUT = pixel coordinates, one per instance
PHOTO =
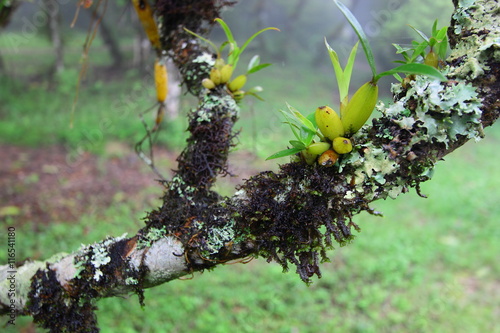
(292, 216)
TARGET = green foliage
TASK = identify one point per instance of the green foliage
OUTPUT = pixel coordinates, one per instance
(235, 51)
(420, 14)
(343, 76)
(420, 69)
(438, 43)
(304, 129)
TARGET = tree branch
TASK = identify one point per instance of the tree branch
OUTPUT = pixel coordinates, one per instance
(292, 216)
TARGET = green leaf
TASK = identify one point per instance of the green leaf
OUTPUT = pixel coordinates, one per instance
(293, 126)
(254, 95)
(303, 120)
(254, 90)
(243, 47)
(257, 68)
(227, 31)
(312, 118)
(343, 76)
(283, 153)
(443, 49)
(421, 34)
(361, 35)
(398, 77)
(418, 51)
(209, 42)
(306, 136)
(255, 61)
(434, 27)
(442, 34)
(400, 49)
(350, 65)
(414, 68)
(298, 144)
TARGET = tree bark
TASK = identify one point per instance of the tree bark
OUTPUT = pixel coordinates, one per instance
(111, 42)
(54, 15)
(292, 216)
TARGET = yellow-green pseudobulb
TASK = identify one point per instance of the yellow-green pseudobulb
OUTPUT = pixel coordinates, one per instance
(342, 145)
(207, 83)
(329, 122)
(237, 83)
(360, 107)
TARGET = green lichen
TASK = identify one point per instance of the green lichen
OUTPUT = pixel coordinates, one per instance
(96, 254)
(184, 191)
(371, 166)
(131, 281)
(218, 236)
(211, 102)
(443, 113)
(152, 235)
(478, 45)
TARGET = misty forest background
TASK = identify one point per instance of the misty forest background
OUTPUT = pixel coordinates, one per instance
(429, 265)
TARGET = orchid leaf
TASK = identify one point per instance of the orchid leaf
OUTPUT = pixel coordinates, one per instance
(361, 35)
(414, 68)
(283, 153)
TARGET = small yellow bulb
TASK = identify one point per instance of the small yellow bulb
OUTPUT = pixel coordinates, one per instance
(431, 59)
(207, 83)
(225, 73)
(215, 76)
(237, 83)
(342, 145)
(219, 63)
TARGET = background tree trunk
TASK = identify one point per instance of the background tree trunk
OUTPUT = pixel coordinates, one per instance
(54, 28)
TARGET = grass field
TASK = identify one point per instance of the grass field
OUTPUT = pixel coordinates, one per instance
(429, 265)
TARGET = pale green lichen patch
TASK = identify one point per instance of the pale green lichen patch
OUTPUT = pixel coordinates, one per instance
(95, 254)
(131, 281)
(481, 43)
(442, 113)
(151, 236)
(371, 166)
(183, 190)
(218, 236)
(212, 102)
(206, 62)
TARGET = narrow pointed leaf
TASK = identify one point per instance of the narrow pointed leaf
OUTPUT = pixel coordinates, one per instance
(434, 27)
(293, 127)
(209, 42)
(243, 47)
(441, 34)
(283, 153)
(303, 120)
(254, 95)
(297, 144)
(257, 68)
(361, 35)
(414, 68)
(443, 48)
(350, 65)
(227, 31)
(339, 72)
(255, 61)
(420, 33)
(419, 51)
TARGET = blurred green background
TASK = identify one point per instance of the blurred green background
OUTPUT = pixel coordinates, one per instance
(429, 265)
